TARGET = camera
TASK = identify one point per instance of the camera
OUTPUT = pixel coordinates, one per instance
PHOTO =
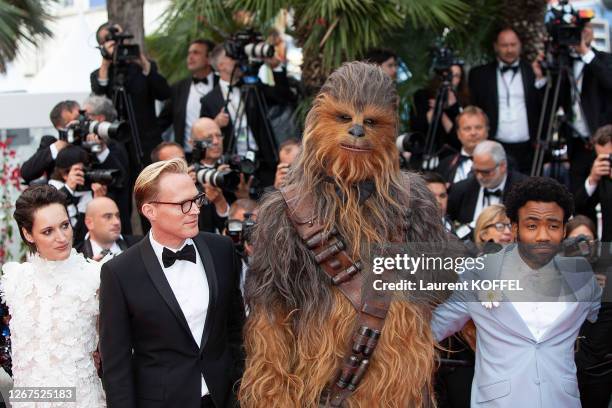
(248, 46)
(246, 165)
(124, 53)
(227, 179)
(413, 142)
(107, 177)
(444, 58)
(565, 24)
(241, 232)
(581, 246)
(77, 132)
(198, 151)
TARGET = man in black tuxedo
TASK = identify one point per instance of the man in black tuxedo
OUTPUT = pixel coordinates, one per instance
(510, 94)
(249, 135)
(171, 313)
(472, 128)
(489, 184)
(143, 83)
(597, 188)
(103, 224)
(184, 105)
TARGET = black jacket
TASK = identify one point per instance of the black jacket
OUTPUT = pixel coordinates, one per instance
(463, 196)
(279, 94)
(175, 108)
(603, 196)
(482, 82)
(143, 90)
(127, 241)
(149, 356)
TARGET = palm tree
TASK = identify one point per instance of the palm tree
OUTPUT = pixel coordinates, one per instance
(20, 20)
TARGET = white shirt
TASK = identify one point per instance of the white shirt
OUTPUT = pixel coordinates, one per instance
(463, 170)
(84, 198)
(190, 287)
(483, 202)
(512, 124)
(579, 120)
(245, 140)
(96, 249)
(192, 111)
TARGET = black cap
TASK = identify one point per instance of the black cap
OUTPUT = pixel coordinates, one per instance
(69, 156)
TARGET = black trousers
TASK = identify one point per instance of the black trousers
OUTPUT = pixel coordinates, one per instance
(595, 394)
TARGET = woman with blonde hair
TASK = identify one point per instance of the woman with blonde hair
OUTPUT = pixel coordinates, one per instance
(493, 225)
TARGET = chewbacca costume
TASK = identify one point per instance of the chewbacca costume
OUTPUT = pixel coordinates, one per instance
(301, 326)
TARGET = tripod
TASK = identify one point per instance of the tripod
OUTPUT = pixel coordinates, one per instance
(550, 141)
(125, 110)
(249, 94)
(430, 159)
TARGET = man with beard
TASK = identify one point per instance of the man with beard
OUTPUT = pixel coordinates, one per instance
(308, 316)
(525, 338)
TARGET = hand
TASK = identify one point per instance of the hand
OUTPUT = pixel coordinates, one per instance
(281, 171)
(244, 186)
(60, 144)
(93, 138)
(213, 194)
(600, 168)
(99, 190)
(536, 65)
(75, 177)
(222, 118)
(272, 62)
(97, 360)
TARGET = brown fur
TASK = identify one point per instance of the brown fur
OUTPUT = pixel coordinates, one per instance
(299, 326)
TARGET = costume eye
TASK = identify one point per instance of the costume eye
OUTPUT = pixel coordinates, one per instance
(369, 122)
(343, 118)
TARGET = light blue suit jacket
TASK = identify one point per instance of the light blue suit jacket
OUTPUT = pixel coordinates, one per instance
(512, 368)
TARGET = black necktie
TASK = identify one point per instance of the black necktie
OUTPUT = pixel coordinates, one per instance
(185, 254)
(506, 68)
(496, 193)
(198, 80)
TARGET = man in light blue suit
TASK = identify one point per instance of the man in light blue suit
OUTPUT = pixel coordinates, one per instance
(525, 338)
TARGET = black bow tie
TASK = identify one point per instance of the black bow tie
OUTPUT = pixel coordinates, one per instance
(198, 80)
(462, 158)
(506, 68)
(495, 193)
(185, 254)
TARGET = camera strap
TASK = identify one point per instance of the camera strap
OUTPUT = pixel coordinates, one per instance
(329, 251)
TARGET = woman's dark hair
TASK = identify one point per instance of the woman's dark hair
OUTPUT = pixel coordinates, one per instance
(580, 220)
(30, 201)
(462, 91)
(543, 189)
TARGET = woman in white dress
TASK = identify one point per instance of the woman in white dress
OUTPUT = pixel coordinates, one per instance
(53, 303)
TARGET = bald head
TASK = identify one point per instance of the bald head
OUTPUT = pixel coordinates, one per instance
(103, 221)
(206, 129)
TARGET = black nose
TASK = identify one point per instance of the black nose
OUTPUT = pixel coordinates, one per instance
(357, 131)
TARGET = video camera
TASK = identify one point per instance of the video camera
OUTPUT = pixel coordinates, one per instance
(249, 48)
(443, 59)
(123, 53)
(76, 132)
(565, 24)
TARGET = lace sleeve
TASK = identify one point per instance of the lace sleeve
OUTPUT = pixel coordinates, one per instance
(11, 281)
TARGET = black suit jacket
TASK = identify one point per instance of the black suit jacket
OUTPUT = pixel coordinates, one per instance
(175, 108)
(482, 82)
(278, 94)
(463, 196)
(143, 90)
(448, 167)
(603, 196)
(125, 243)
(149, 356)
(41, 162)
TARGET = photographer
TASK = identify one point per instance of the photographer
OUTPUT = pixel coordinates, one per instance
(597, 188)
(143, 85)
(239, 227)
(101, 109)
(69, 177)
(250, 134)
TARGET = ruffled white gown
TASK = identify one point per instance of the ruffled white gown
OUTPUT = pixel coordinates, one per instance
(54, 307)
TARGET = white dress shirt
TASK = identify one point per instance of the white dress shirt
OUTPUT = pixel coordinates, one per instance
(192, 113)
(512, 123)
(245, 141)
(463, 170)
(190, 287)
(73, 210)
(96, 249)
(483, 202)
(579, 119)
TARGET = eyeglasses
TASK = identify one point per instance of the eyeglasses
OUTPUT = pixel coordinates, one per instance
(485, 172)
(500, 226)
(186, 205)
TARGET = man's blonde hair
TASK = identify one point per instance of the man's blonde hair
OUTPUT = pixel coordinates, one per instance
(147, 184)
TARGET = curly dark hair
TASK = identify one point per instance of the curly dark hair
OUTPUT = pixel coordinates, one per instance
(542, 189)
(31, 200)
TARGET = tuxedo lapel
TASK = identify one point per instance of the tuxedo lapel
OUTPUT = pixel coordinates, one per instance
(161, 283)
(87, 249)
(494, 101)
(211, 276)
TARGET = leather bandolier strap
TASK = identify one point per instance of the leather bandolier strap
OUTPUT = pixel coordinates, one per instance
(329, 251)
